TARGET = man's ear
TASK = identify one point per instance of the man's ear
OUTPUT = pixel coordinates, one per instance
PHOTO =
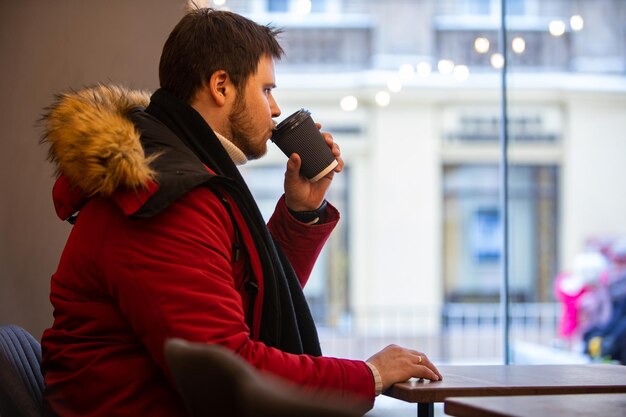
(220, 87)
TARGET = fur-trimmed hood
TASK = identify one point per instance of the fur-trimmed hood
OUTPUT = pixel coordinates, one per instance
(92, 141)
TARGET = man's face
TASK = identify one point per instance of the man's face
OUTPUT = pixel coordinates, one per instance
(251, 119)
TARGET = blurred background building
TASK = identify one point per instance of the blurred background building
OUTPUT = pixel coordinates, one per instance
(412, 91)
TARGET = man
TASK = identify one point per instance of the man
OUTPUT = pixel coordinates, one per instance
(168, 241)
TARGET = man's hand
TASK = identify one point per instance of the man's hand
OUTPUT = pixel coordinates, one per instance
(397, 364)
(300, 193)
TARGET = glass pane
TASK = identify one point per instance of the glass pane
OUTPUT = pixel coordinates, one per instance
(411, 90)
(567, 58)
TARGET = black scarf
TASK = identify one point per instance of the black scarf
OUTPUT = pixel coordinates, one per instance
(286, 323)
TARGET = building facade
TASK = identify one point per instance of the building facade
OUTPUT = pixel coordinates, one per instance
(411, 90)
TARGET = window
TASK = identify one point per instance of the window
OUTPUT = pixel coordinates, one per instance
(425, 212)
(473, 230)
(277, 6)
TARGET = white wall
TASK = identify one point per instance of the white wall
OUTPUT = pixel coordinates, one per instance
(594, 170)
(403, 235)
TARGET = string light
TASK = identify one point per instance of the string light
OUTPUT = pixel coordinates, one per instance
(461, 72)
(556, 27)
(518, 44)
(445, 66)
(481, 45)
(383, 98)
(497, 61)
(576, 22)
(349, 103)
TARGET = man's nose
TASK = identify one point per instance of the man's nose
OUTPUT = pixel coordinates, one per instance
(275, 109)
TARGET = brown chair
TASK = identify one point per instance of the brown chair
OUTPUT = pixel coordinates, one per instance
(214, 381)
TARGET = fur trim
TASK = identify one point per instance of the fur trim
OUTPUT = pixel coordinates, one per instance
(93, 143)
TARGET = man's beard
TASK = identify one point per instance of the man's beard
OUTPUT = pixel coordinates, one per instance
(242, 130)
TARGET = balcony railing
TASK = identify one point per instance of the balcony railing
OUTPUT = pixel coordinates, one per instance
(468, 332)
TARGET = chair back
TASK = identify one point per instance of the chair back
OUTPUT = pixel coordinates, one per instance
(21, 380)
(213, 380)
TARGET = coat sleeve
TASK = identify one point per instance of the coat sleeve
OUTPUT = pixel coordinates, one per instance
(301, 243)
(172, 277)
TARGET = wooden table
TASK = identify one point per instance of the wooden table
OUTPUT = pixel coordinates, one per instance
(573, 405)
(500, 380)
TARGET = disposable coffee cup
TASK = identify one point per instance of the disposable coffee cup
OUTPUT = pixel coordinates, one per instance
(298, 134)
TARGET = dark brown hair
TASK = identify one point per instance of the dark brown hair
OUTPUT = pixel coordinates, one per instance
(208, 40)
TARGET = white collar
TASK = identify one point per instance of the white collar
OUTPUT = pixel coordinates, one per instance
(238, 157)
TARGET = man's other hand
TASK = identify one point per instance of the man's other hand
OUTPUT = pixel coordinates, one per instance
(300, 193)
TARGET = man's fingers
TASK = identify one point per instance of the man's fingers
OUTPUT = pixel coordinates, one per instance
(328, 138)
(293, 166)
(335, 149)
(432, 368)
(420, 358)
(340, 165)
(422, 371)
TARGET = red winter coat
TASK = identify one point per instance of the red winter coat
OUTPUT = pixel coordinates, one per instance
(124, 285)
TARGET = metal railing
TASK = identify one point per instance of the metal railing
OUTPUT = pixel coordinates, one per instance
(467, 332)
